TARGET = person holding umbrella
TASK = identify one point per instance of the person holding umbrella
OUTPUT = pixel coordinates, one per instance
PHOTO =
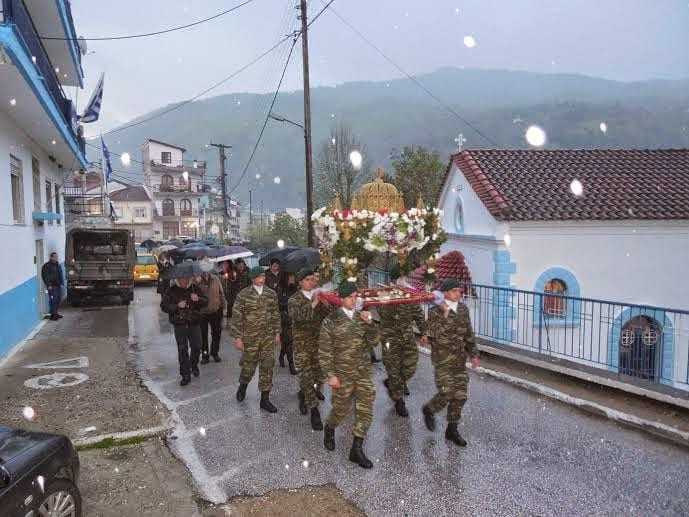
(255, 326)
(183, 303)
(211, 315)
(240, 280)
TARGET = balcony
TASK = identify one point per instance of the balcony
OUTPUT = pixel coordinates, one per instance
(166, 188)
(19, 39)
(193, 166)
(171, 213)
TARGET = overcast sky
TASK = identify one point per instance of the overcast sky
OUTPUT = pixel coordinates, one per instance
(616, 39)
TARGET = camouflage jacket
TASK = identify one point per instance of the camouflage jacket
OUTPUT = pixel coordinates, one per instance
(451, 337)
(306, 321)
(254, 317)
(396, 321)
(344, 346)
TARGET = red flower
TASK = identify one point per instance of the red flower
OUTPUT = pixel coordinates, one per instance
(383, 211)
(346, 213)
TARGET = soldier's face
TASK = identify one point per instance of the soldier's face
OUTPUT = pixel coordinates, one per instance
(308, 283)
(453, 294)
(275, 268)
(349, 302)
(183, 282)
(259, 281)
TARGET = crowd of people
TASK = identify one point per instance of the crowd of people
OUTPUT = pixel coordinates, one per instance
(322, 343)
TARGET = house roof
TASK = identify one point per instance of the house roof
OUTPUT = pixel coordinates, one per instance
(137, 193)
(534, 185)
(165, 143)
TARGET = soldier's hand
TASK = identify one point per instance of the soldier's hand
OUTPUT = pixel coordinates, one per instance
(278, 339)
(194, 297)
(182, 304)
(446, 309)
(239, 344)
(334, 382)
(475, 362)
(366, 316)
(315, 302)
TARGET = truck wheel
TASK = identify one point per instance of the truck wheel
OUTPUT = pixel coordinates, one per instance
(75, 301)
(125, 299)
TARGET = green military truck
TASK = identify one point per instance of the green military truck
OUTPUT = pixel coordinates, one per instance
(100, 262)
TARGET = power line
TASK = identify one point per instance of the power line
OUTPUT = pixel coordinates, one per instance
(265, 122)
(413, 79)
(192, 99)
(156, 33)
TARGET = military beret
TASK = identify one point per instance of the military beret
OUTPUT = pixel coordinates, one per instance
(304, 272)
(256, 271)
(450, 283)
(346, 288)
(395, 272)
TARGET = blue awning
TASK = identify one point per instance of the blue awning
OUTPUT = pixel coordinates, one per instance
(46, 216)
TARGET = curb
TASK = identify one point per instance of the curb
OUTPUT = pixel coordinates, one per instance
(124, 435)
(656, 428)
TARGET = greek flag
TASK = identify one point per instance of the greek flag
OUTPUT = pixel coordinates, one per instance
(107, 166)
(92, 111)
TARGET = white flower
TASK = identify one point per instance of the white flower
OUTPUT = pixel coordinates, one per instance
(351, 279)
(355, 261)
(434, 236)
(352, 224)
(317, 214)
(430, 270)
(343, 260)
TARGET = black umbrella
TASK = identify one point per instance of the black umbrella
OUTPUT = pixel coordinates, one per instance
(277, 253)
(300, 259)
(185, 270)
(223, 253)
(174, 242)
(149, 244)
(190, 251)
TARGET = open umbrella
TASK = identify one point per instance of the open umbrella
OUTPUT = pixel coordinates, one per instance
(223, 253)
(301, 258)
(149, 244)
(164, 249)
(185, 270)
(278, 253)
(174, 242)
(190, 251)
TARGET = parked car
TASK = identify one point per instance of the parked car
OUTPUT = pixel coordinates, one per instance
(39, 474)
(146, 269)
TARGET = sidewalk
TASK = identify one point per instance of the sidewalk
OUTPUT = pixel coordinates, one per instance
(76, 377)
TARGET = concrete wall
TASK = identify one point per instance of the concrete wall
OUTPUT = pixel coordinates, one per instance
(22, 295)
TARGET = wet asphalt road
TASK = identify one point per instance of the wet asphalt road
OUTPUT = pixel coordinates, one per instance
(526, 455)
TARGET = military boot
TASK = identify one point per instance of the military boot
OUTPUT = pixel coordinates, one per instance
(453, 435)
(266, 404)
(428, 418)
(406, 390)
(401, 408)
(356, 454)
(281, 357)
(316, 423)
(302, 403)
(329, 438)
(241, 392)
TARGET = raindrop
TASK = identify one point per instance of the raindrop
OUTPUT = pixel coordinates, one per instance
(603, 127)
(535, 136)
(508, 239)
(28, 413)
(469, 41)
(305, 464)
(202, 431)
(276, 180)
(576, 187)
(41, 483)
(258, 176)
(286, 467)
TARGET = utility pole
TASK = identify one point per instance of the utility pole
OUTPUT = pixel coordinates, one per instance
(250, 216)
(261, 227)
(307, 122)
(223, 182)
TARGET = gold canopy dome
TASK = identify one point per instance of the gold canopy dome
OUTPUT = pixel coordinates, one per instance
(378, 195)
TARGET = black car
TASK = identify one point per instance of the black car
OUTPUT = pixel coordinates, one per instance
(38, 475)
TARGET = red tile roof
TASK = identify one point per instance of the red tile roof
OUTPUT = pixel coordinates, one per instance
(136, 193)
(534, 185)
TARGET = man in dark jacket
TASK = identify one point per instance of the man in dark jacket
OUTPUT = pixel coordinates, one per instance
(52, 278)
(183, 303)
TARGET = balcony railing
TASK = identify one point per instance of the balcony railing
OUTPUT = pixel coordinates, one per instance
(15, 12)
(164, 187)
(176, 212)
(192, 166)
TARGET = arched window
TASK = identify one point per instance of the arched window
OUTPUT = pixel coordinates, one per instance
(459, 216)
(185, 207)
(168, 207)
(166, 183)
(554, 306)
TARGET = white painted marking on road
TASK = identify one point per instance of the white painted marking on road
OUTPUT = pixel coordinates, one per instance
(123, 435)
(56, 380)
(74, 362)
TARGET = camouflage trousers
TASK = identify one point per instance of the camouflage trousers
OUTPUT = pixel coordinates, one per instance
(360, 393)
(453, 384)
(310, 374)
(400, 360)
(261, 354)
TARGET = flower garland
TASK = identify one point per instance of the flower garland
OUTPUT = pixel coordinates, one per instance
(354, 237)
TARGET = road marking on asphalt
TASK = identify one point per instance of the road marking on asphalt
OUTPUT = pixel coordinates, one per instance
(75, 362)
(56, 380)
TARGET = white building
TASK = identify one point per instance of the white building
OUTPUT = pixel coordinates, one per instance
(135, 211)
(39, 145)
(177, 186)
(587, 228)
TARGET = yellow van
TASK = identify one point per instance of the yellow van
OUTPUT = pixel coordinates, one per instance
(146, 269)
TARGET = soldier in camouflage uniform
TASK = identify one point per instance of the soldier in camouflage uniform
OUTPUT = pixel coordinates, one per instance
(452, 340)
(255, 325)
(345, 343)
(306, 312)
(400, 352)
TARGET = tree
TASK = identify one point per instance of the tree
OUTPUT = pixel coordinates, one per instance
(334, 171)
(284, 227)
(418, 173)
